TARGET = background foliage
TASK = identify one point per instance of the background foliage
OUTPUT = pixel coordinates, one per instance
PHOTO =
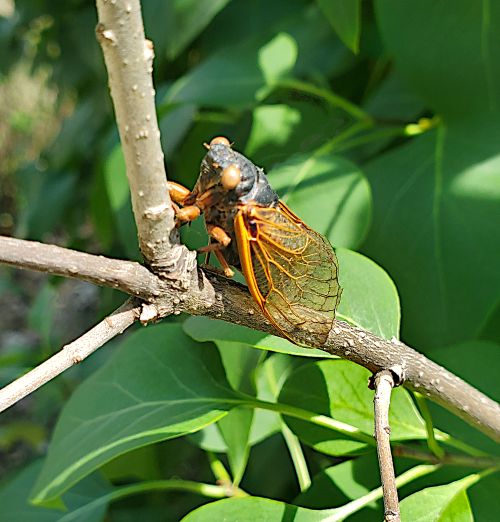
(378, 124)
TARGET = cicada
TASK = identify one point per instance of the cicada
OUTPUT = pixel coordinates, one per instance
(290, 269)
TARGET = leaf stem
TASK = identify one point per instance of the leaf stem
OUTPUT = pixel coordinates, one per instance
(218, 469)
(297, 455)
(330, 97)
(341, 513)
(314, 418)
(206, 490)
(429, 426)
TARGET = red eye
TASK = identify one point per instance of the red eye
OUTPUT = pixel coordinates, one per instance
(220, 140)
(231, 176)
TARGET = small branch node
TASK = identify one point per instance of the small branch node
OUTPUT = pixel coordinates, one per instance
(105, 35)
(149, 314)
(158, 212)
(398, 374)
(149, 52)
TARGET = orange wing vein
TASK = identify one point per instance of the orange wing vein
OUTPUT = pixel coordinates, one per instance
(291, 271)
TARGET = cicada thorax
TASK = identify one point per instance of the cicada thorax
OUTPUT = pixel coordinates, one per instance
(252, 189)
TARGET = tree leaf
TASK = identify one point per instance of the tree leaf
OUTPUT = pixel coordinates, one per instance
(448, 57)
(338, 388)
(369, 299)
(476, 362)
(118, 190)
(346, 481)
(176, 23)
(308, 183)
(345, 18)
(250, 509)
(159, 385)
(434, 229)
(277, 58)
(203, 329)
(447, 503)
(14, 499)
(437, 198)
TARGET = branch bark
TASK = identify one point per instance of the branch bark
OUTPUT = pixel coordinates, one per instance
(70, 354)
(129, 58)
(383, 383)
(214, 296)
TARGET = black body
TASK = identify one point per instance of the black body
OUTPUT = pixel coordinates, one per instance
(253, 188)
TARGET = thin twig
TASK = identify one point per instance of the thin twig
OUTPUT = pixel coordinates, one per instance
(215, 296)
(383, 383)
(72, 353)
(449, 459)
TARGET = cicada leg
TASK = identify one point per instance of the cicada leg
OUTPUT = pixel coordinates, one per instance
(179, 196)
(178, 193)
(222, 240)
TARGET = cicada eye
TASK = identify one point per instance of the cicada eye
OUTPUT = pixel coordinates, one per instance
(230, 177)
(220, 140)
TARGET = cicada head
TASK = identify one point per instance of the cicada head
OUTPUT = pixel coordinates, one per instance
(227, 175)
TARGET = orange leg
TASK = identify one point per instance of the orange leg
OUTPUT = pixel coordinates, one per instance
(228, 271)
(189, 213)
(222, 240)
(219, 235)
(178, 193)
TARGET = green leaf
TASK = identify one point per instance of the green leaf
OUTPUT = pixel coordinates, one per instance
(14, 499)
(448, 503)
(329, 193)
(272, 127)
(448, 57)
(39, 192)
(345, 481)
(231, 76)
(240, 363)
(118, 190)
(339, 389)
(203, 329)
(174, 125)
(436, 202)
(437, 198)
(345, 18)
(369, 297)
(42, 312)
(270, 376)
(476, 362)
(159, 385)
(250, 509)
(280, 131)
(235, 430)
(484, 498)
(178, 22)
(277, 58)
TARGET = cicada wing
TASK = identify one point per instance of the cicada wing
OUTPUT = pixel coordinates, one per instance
(291, 271)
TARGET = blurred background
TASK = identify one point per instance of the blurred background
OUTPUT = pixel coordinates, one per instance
(388, 111)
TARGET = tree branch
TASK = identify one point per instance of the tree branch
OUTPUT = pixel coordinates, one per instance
(129, 57)
(383, 383)
(213, 295)
(127, 276)
(182, 288)
(70, 354)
